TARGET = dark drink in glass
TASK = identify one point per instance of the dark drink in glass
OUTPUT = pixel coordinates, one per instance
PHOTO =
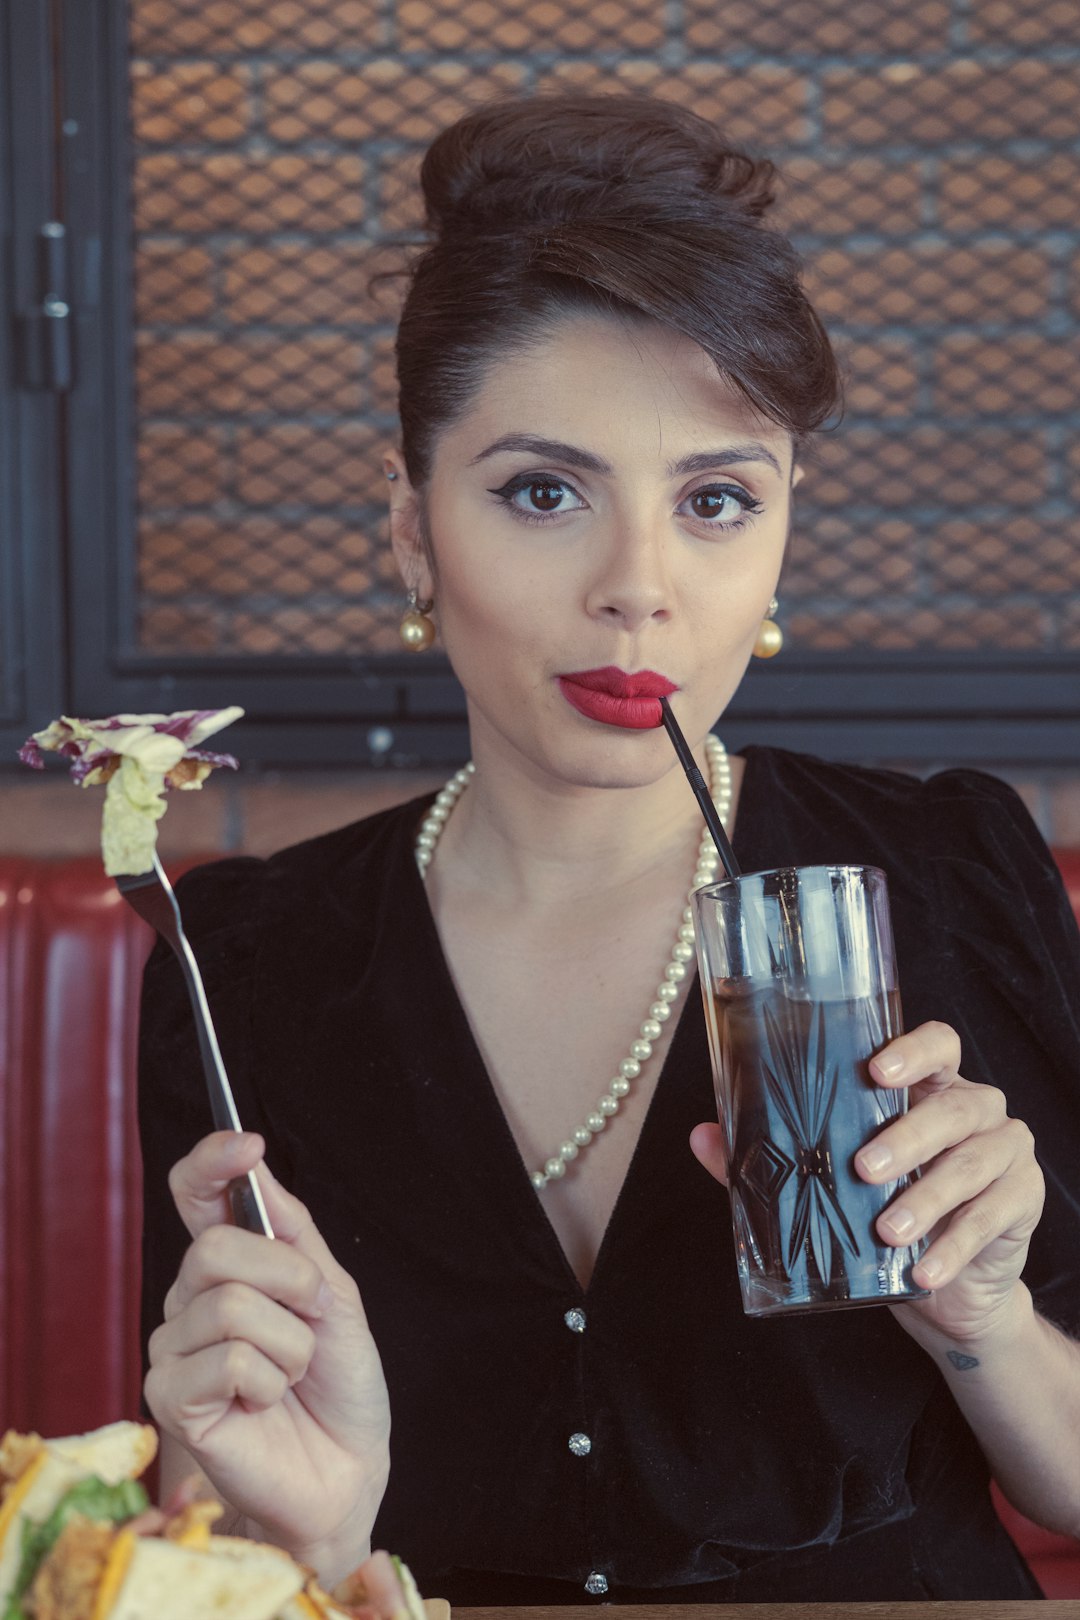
(800, 991)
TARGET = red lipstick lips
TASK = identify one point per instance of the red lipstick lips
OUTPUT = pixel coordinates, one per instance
(616, 698)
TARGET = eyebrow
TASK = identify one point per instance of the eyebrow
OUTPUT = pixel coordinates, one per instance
(570, 455)
(702, 460)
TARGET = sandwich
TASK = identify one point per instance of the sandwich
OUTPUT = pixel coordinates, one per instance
(46, 1483)
(99, 1571)
(80, 1541)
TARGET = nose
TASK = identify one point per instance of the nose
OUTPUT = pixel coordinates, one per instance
(631, 584)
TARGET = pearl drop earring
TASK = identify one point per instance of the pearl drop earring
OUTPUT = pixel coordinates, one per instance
(417, 630)
(770, 637)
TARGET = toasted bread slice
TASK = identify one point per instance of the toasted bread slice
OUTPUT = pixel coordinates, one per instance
(244, 1580)
(118, 1451)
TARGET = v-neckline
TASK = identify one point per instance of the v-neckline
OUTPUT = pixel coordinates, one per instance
(527, 1195)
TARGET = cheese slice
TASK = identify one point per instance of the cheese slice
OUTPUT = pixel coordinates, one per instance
(117, 1564)
(196, 1535)
(17, 1490)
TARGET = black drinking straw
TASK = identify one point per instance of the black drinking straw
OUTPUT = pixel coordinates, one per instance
(701, 792)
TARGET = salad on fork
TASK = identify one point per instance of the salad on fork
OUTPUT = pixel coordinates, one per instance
(138, 758)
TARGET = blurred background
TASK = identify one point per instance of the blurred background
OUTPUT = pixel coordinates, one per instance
(196, 380)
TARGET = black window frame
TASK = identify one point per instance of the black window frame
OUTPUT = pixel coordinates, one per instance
(32, 642)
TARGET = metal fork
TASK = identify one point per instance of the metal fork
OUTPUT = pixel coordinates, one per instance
(151, 895)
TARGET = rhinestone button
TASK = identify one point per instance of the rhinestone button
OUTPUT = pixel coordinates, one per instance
(580, 1445)
(596, 1584)
(575, 1320)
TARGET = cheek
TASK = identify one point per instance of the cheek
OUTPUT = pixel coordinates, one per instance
(483, 598)
(497, 622)
(726, 610)
(491, 582)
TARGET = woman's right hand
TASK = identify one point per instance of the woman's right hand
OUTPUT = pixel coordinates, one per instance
(265, 1370)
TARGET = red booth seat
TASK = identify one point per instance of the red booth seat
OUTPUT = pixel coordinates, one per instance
(71, 955)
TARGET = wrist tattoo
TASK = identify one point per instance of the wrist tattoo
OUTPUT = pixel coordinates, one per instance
(961, 1362)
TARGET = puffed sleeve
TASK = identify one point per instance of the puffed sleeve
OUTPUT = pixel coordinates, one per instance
(1015, 971)
(221, 906)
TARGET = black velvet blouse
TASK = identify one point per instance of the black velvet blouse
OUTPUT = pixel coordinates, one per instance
(770, 1460)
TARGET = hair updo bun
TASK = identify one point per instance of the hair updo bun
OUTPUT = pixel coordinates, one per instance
(551, 161)
(551, 206)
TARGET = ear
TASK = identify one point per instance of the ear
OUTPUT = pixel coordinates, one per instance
(406, 528)
(797, 474)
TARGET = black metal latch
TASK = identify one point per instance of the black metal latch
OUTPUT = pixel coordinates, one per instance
(44, 332)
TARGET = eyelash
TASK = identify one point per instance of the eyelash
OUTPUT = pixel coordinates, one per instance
(751, 506)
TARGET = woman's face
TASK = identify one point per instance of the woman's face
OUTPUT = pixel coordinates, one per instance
(607, 506)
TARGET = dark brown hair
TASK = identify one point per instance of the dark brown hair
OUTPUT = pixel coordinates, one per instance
(622, 204)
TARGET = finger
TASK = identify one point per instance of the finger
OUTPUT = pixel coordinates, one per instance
(954, 1178)
(988, 1218)
(199, 1182)
(224, 1254)
(938, 1120)
(707, 1146)
(189, 1394)
(927, 1050)
(236, 1311)
(294, 1227)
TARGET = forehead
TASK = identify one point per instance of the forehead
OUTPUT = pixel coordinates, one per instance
(620, 386)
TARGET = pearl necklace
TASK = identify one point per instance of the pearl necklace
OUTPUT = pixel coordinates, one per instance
(667, 991)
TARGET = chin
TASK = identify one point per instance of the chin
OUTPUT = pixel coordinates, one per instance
(611, 757)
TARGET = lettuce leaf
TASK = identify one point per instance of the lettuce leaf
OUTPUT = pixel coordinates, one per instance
(94, 1500)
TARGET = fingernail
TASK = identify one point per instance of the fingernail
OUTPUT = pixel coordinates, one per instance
(931, 1269)
(889, 1064)
(900, 1221)
(324, 1298)
(874, 1158)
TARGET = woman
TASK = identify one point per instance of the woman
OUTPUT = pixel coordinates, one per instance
(608, 374)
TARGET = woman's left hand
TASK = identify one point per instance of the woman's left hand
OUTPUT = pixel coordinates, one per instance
(978, 1197)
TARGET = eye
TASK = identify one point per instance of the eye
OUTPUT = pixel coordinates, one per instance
(536, 496)
(722, 506)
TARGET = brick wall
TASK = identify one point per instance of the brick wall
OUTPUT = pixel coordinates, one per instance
(933, 182)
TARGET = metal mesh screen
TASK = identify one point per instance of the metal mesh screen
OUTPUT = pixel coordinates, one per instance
(932, 157)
